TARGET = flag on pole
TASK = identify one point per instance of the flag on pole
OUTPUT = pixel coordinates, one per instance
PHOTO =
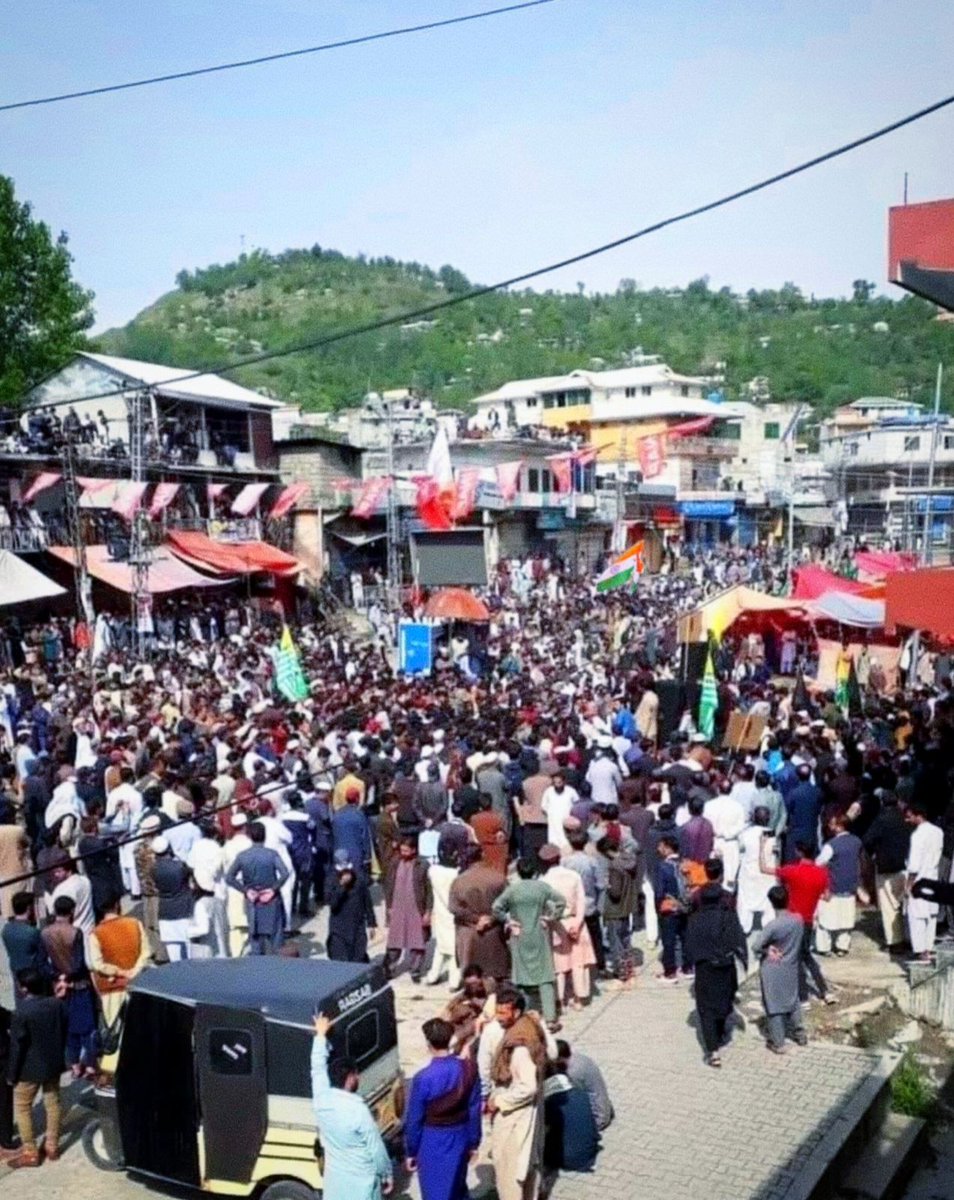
(708, 699)
(624, 569)
(162, 497)
(289, 677)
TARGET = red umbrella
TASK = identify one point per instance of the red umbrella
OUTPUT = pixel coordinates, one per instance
(456, 604)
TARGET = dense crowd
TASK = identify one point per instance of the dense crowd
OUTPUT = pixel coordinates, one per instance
(542, 816)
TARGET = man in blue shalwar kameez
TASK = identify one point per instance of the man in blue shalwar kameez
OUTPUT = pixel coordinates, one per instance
(442, 1126)
(356, 1162)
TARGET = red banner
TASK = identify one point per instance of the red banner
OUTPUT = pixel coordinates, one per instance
(562, 471)
(652, 456)
(687, 428)
(288, 499)
(214, 490)
(585, 456)
(468, 479)
(508, 478)
(162, 497)
(372, 493)
(128, 498)
(44, 480)
(430, 505)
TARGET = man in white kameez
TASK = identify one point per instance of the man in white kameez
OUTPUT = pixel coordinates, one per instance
(727, 818)
(516, 1105)
(924, 862)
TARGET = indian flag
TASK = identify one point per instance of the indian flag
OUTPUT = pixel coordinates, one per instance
(622, 570)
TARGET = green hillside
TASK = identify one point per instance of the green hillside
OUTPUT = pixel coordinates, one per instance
(803, 348)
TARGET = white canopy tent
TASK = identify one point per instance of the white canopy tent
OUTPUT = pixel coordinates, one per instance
(20, 583)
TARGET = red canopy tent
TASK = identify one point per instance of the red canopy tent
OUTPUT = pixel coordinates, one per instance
(231, 558)
(812, 581)
(922, 599)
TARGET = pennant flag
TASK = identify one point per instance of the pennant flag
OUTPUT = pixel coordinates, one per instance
(44, 480)
(162, 497)
(289, 677)
(634, 552)
(94, 485)
(584, 457)
(214, 490)
(508, 478)
(430, 505)
(248, 497)
(468, 479)
(128, 498)
(371, 495)
(562, 471)
(708, 699)
(652, 456)
(288, 499)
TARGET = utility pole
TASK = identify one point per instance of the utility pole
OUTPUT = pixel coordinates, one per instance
(791, 433)
(926, 547)
(393, 539)
(619, 539)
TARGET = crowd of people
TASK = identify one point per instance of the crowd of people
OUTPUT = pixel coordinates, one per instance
(539, 819)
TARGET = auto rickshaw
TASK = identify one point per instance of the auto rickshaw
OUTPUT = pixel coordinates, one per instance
(212, 1083)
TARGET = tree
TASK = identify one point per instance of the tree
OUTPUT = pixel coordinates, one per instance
(861, 291)
(44, 313)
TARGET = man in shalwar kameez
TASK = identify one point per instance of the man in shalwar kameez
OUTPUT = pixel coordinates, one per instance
(356, 1162)
(442, 1127)
(259, 874)
(516, 1100)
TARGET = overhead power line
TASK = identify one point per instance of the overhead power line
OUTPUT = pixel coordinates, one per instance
(475, 293)
(270, 58)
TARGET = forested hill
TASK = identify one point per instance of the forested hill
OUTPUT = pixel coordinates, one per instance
(796, 347)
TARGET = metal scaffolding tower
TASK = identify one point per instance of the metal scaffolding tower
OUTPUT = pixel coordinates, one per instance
(140, 554)
(393, 530)
(84, 593)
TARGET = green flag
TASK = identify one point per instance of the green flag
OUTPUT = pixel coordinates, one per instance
(289, 677)
(708, 699)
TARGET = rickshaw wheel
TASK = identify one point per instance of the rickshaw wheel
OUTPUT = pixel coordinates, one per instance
(290, 1189)
(96, 1143)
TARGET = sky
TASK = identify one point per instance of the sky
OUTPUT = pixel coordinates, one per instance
(496, 146)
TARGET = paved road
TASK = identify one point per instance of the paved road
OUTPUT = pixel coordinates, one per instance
(681, 1129)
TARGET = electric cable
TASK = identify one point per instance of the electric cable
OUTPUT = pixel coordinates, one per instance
(485, 290)
(269, 58)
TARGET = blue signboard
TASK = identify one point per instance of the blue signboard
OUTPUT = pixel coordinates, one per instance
(415, 647)
(939, 504)
(708, 510)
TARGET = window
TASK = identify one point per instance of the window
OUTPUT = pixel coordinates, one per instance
(771, 431)
(647, 389)
(630, 393)
(533, 480)
(361, 1038)
(684, 389)
(230, 1052)
(949, 441)
(912, 442)
(545, 481)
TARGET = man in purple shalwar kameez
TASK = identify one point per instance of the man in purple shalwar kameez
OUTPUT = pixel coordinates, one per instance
(407, 896)
(442, 1126)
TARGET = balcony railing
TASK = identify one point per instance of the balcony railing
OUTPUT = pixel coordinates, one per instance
(703, 447)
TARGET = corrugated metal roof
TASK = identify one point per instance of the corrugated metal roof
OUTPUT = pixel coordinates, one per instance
(200, 387)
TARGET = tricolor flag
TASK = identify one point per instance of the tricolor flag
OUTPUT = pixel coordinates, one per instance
(289, 678)
(622, 570)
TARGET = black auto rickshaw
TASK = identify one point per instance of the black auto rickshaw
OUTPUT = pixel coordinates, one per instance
(212, 1082)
